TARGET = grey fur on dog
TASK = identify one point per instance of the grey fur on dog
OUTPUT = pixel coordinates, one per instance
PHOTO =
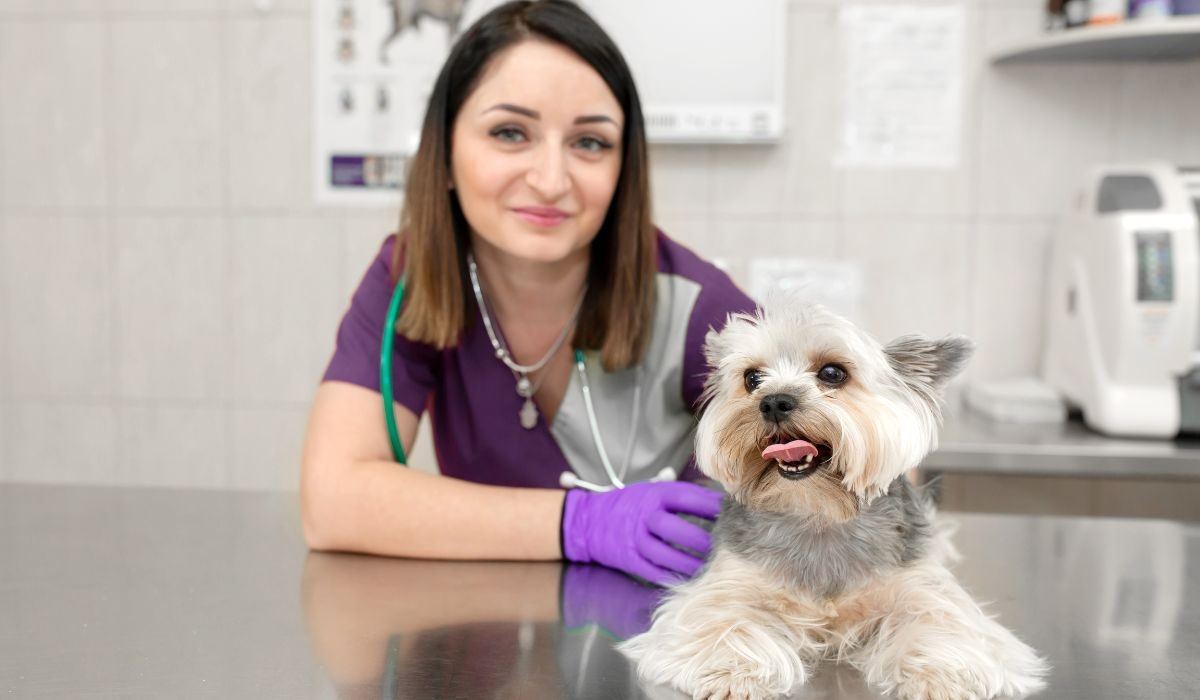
(830, 559)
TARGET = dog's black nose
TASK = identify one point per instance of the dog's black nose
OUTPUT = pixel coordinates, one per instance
(776, 406)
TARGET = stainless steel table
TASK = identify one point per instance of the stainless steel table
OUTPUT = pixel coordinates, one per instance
(971, 443)
(122, 593)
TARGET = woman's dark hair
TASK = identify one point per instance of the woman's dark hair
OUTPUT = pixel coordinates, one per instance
(617, 311)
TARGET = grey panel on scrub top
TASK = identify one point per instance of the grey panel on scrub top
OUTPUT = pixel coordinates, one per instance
(653, 426)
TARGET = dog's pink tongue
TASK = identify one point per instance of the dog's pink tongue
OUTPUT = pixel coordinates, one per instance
(794, 451)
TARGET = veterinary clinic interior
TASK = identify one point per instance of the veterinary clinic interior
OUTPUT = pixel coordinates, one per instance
(198, 198)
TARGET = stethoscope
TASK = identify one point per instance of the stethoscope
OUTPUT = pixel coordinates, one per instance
(568, 479)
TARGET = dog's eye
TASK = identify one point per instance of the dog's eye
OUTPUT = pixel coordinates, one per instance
(753, 378)
(833, 374)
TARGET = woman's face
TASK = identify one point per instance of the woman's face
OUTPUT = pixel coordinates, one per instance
(536, 153)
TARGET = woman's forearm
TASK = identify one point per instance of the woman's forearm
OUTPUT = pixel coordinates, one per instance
(379, 507)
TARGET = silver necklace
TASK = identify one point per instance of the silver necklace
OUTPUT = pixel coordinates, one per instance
(525, 388)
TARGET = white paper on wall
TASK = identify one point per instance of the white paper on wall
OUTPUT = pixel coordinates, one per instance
(903, 80)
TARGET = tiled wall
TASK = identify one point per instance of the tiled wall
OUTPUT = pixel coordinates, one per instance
(170, 291)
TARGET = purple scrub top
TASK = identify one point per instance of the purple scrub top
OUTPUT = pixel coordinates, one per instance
(646, 414)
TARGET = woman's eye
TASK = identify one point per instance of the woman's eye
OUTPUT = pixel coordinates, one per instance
(593, 144)
(508, 134)
(753, 379)
(833, 374)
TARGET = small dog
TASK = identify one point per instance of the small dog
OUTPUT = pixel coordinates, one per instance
(823, 550)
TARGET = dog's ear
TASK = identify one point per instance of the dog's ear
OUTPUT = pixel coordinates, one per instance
(926, 362)
(714, 348)
(719, 343)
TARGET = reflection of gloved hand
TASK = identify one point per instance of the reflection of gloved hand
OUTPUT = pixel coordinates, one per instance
(637, 530)
(598, 595)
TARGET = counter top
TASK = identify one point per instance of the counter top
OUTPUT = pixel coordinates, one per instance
(139, 593)
(970, 442)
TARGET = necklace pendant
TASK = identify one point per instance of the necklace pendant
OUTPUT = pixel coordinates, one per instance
(524, 388)
(529, 414)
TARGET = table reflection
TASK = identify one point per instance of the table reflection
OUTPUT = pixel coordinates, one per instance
(1111, 604)
(392, 628)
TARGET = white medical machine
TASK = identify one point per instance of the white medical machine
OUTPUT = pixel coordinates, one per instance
(1123, 313)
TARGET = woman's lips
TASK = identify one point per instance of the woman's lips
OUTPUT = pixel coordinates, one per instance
(542, 216)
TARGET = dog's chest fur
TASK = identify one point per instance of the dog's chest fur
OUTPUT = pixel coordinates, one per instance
(827, 560)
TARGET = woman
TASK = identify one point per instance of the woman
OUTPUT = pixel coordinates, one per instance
(526, 236)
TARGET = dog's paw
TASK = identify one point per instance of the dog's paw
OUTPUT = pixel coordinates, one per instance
(737, 685)
(931, 683)
(964, 683)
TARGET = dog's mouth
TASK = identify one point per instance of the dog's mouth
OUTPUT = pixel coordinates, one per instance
(797, 459)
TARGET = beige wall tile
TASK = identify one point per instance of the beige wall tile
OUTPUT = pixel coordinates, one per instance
(748, 180)
(1041, 127)
(269, 82)
(1008, 297)
(5, 363)
(267, 444)
(157, 7)
(681, 180)
(1156, 112)
(172, 339)
(812, 185)
(362, 237)
(914, 275)
(58, 307)
(52, 132)
(49, 8)
(287, 301)
(167, 114)
(172, 444)
(62, 443)
(269, 7)
(5, 460)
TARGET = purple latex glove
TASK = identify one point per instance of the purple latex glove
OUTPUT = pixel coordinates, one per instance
(637, 530)
(598, 595)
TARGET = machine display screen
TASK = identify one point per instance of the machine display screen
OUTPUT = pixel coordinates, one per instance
(1154, 280)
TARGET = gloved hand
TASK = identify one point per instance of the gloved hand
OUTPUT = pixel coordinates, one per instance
(637, 530)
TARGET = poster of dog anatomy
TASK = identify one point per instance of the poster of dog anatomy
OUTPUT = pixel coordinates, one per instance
(375, 62)
(374, 65)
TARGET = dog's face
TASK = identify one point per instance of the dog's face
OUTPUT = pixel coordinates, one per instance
(805, 413)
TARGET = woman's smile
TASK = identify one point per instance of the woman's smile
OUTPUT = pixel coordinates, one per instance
(542, 216)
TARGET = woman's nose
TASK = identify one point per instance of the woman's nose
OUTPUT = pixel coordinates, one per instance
(548, 174)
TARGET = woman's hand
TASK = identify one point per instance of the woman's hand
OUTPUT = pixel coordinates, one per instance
(638, 530)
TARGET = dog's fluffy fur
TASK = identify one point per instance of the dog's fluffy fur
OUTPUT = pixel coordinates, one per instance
(841, 560)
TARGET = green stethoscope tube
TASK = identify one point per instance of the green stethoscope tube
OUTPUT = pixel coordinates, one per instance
(385, 372)
(389, 410)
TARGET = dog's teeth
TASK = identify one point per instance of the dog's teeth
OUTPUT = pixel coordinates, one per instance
(808, 459)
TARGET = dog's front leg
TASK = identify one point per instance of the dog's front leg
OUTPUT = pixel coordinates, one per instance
(729, 633)
(932, 641)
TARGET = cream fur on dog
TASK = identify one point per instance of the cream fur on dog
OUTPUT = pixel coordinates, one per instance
(823, 551)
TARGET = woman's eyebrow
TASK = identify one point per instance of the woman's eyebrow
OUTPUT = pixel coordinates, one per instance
(523, 111)
(533, 114)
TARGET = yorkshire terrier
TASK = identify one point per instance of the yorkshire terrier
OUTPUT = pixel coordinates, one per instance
(823, 549)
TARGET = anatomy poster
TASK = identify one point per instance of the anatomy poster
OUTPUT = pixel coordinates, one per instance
(375, 62)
